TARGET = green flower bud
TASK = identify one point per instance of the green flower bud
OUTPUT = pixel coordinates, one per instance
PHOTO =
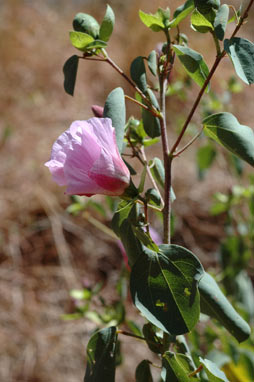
(87, 24)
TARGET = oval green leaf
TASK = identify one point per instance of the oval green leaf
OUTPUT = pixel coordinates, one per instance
(115, 110)
(143, 372)
(107, 24)
(164, 288)
(176, 367)
(241, 52)
(193, 63)
(80, 40)
(225, 129)
(151, 123)
(200, 23)
(152, 62)
(70, 69)
(138, 73)
(182, 12)
(153, 22)
(86, 23)
(216, 305)
(205, 6)
(221, 20)
(214, 374)
(101, 354)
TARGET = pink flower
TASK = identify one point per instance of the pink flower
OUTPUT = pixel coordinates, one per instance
(86, 159)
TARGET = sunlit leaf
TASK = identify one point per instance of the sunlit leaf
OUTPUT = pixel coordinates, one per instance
(80, 40)
(193, 63)
(152, 21)
(107, 24)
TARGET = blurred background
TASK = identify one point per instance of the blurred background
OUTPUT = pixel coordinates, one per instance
(45, 251)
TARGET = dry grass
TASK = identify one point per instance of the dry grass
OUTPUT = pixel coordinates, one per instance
(44, 252)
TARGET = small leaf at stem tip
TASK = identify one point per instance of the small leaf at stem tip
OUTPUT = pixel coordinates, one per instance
(80, 40)
(70, 69)
(85, 23)
(181, 13)
(152, 21)
(107, 24)
(241, 52)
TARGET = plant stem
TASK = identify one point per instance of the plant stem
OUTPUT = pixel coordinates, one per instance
(214, 67)
(167, 160)
(188, 144)
(150, 174)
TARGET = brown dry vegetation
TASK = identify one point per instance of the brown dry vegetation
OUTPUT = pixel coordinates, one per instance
(45, 252)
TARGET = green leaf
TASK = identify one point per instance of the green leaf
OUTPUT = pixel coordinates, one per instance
(205, 157)
(87, 24)
(101, 353)
(241, 52)
(193, 63)
(153, 341)
(205, 6)
(138, 73)
(200, 23)
(225, 129)
(107, 24)
(151, 123)
(214, 374)
(182, 12)
(70, 69)
(143, 372)
(152, 195)
(176, 367)
(115, 110)
(96, 44)
(152, 62)
(80, 40)
(221, 20)
(158, 173)
(216, 305)
(122, 226)
(164, 288)
(153, 22)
